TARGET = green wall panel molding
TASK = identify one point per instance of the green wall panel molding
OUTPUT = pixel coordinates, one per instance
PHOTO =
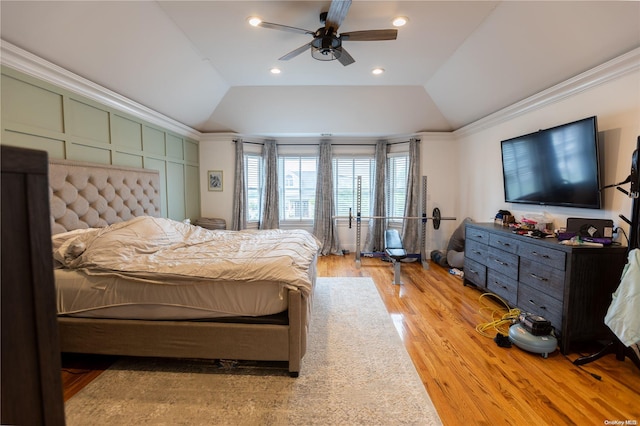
(30, 105)
(55, 147)
(191, 152)
(192, 193)
(88, 153)
(154, 141)
(176, 184)
(161, 167)
(175, 149)
(39, 115)
(87, 122)
(126, 133)
(128, 160)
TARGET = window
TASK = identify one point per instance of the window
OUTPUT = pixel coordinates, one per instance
(397, 176)
(253, 176)
(297, 187)
(345, 184)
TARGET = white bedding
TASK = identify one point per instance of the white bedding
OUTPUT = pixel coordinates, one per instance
(166, 252)
(116, 297)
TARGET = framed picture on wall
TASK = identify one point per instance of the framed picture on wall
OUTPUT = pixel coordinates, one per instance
(215, 180)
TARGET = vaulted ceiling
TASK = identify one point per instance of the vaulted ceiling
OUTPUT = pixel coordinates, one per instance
(202, 64)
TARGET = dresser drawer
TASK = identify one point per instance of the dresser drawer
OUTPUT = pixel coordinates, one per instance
(542, 278)
(544, 255)
(531, 300)
(475, 272)
(504, 242)
(503, 286)
(503, 262)
(476, 251)
(475, 234)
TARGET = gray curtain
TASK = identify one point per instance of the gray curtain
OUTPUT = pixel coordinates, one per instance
(324, 227)
(239, 220)
(375, 235)
(270, 210)
(411, 227)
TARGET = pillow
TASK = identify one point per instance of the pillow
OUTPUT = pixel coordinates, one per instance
(58, 239)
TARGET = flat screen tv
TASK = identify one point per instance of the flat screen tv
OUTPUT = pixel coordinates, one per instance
(556, 167)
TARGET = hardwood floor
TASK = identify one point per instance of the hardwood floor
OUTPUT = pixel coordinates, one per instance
(469, 378)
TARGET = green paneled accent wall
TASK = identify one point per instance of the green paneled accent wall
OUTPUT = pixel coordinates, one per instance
(55, 147)
(175, 183)
(126, 133)
(38, 115)
(192, 199)
(88, 122)
(175, 148)
(32, 106)
(153, 140)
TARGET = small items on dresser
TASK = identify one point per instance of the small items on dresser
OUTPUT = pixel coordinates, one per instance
(211, 223)
(504, 218)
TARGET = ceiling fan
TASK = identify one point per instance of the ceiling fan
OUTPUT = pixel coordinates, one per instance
(327, 43)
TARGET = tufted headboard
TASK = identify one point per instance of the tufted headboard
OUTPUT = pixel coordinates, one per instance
(88, 195)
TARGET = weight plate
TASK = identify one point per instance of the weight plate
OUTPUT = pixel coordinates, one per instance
(436, 218)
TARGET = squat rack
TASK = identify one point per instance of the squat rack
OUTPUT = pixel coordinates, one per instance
(436, 218)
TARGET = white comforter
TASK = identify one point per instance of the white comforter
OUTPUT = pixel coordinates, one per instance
(154, 249)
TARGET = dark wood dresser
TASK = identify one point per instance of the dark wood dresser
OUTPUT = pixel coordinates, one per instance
(571, 286)
(31, 367)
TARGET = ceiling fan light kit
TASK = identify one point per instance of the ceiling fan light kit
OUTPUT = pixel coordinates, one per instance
(254, 21)
(400, 21)
(327, 42)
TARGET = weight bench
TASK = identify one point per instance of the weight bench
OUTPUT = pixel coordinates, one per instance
(395, 251)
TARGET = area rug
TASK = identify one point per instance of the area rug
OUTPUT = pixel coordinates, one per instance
(356, 372)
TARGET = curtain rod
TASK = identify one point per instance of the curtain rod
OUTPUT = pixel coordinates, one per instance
(317, 144)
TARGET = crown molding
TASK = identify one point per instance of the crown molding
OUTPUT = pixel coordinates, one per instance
(34, 66)
(610, 70)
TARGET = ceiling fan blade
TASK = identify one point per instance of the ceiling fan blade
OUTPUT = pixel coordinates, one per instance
(295, 53)
(344, 58)
(337, 12)
(280, 27)
(369, 35)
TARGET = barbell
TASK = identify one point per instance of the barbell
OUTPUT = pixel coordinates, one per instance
(436, 217)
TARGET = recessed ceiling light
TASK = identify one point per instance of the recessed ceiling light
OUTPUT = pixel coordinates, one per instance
(275, 70)
(400, 21)
(254, 21)
(377, 71)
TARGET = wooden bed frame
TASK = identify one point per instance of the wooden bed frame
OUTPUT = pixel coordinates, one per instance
(91, 195)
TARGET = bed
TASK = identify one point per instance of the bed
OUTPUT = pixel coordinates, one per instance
(173, 289)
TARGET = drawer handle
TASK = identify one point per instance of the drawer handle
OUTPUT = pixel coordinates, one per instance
(504, 244)
(477, 252)
(534, 303)
(473, 271)
(500, 262)
(538, 277)
(500, 285)
(535, 253)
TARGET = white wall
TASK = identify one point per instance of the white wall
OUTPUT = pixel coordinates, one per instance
(217, 152)
(617, 106)
(441, 164)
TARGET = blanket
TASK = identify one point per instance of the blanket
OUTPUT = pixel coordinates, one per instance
(158, 249)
